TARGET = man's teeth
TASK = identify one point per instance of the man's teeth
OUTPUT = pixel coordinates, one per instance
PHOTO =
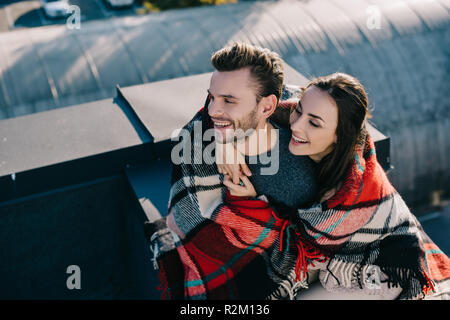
(222, 124)
(298, 139)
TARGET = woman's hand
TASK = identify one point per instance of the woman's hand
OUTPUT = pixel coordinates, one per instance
(235, 171)
(245, 189)
(231, 162)
(330, 193)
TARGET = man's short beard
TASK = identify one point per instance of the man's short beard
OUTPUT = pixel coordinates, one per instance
(249, 122)
(245, 126)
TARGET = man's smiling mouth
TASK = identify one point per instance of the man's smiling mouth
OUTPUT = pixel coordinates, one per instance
(222, 124)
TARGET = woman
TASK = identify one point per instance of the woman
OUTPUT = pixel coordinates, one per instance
(370, 240)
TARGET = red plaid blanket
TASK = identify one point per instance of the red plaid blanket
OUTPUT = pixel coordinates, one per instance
(222, 247)
(366, 224)
(219, 246)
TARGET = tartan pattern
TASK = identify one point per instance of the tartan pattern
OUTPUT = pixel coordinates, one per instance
(367, 223)
(228, 247)
(225, 247)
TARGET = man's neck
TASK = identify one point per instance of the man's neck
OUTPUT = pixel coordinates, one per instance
(260, 141)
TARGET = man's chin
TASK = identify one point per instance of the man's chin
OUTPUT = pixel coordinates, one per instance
(224, 141)
(222, 136)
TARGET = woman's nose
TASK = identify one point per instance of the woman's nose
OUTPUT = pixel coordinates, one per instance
(296, 123)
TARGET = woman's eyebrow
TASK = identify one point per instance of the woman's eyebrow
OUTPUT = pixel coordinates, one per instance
(315, 116)
(310, 114)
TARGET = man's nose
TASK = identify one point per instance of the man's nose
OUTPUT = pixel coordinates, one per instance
(214, 109)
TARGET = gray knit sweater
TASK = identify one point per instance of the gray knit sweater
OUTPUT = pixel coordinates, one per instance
(293, 185)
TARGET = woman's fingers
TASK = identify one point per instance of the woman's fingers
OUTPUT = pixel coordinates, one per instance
(235, 189)
(235, 173)
(250, 190)
(246, 181)
(223, 169)
(233, 170)
(229, 170)
(245, 169)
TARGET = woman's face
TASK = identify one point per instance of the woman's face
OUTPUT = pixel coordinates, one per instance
(313, 124)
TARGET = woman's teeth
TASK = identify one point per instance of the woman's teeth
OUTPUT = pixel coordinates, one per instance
(298, 140)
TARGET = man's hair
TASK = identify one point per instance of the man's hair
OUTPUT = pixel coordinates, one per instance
(266, 67)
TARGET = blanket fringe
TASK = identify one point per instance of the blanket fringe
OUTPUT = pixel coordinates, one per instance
(413, 283)
(307, 253)
(429, 287)
(163, 286)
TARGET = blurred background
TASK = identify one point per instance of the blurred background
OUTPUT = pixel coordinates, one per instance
(79, 118)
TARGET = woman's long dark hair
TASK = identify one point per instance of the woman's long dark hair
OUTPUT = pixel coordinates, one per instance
(352, 104)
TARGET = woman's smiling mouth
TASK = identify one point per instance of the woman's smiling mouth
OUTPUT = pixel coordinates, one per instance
(298, 141)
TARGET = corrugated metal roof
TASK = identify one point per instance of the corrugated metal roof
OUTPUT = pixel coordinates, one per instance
(49, 67)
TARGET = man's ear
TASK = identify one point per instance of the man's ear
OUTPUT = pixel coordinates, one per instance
(268, 105)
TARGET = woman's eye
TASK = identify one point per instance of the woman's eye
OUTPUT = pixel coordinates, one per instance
(314, 124)
(228, 101)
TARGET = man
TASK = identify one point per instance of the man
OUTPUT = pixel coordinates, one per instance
(213, 247)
